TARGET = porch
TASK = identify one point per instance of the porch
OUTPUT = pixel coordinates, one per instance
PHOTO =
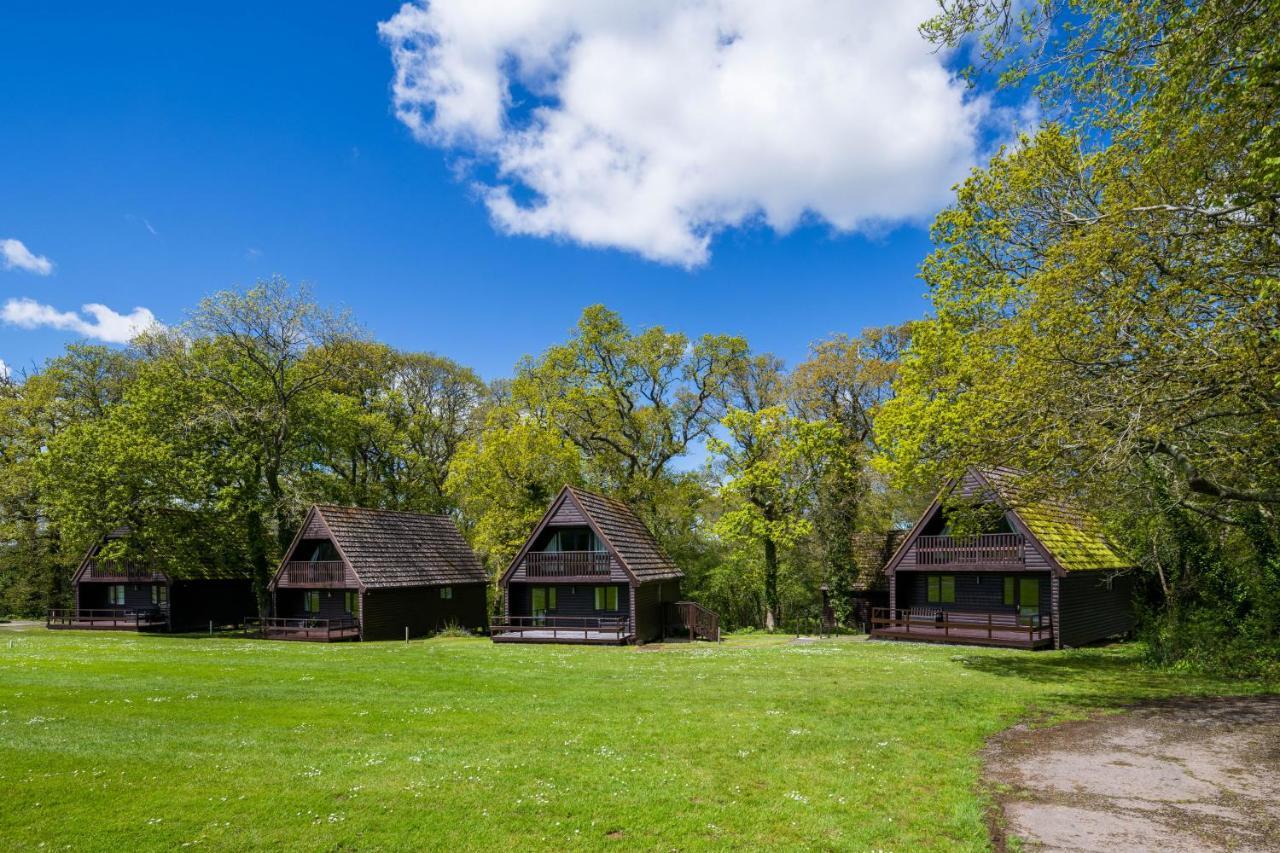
(932, 625)
(597, 630)
(988, 550)
(108, 619)
(307, 629)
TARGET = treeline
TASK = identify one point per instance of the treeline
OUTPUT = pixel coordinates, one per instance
(210, 440)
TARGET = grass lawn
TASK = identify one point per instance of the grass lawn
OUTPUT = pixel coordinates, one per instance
(455, 743)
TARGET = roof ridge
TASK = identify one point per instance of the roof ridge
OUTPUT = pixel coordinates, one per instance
(410, 512)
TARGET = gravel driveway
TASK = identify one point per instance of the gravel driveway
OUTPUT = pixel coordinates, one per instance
(1194, 774)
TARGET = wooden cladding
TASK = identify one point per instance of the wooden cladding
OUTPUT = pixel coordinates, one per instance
(314, 573)
(566, 564)
(987, 549)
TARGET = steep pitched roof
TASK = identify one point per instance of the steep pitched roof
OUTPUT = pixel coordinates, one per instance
(626, 534)
(871, 553)
(1072, 539)
(622, 532)
(388, 548)
(1071, 536)
(197, 562)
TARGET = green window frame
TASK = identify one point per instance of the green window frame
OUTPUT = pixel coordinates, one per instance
(1010, 585)
(446, 592)
(311, 601)
(606, 598)
(350, 601)
(542, 598)
(1029, 596)
(115, 594)
(941, 589)
(159, 594)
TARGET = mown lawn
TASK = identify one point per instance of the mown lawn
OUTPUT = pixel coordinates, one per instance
(111, 741)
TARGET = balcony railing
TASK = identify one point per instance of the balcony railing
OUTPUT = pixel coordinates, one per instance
(325, 630)
(568, 629)
(987, 549)
(111, 570)
(314, 573)
(930, 624)
(566, 564)
(120, 618)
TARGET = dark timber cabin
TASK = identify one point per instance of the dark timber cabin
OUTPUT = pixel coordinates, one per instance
(1041, 576)
(591, 572)
(124, 595)
(371, 574)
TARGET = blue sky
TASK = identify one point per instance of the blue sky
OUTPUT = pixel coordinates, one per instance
(158, 152)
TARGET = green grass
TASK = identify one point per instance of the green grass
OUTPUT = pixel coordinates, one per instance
(458, 744)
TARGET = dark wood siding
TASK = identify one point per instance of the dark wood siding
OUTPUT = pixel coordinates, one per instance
(1094, 606)
(93, 595)
(290, 604)
(976, 592)
(571, 599)
(568, 513)
(386, 612)
(652, 600)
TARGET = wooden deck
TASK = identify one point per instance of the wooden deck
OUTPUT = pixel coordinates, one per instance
(974, 629)
(309, 630)
(590, 630)
(108, 620)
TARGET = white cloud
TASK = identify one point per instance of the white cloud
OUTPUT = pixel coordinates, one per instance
(18, 256)
(102, 323)
(651, 126)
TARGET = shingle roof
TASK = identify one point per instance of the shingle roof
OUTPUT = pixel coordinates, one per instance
(1073, 537)
(388, 548)
(627, 534)
(871, 553)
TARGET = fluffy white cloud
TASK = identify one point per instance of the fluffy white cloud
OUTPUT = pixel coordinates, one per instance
(651, 126)
(18, 256)
(102, 323)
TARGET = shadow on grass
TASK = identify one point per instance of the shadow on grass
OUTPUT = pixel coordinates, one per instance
(1108, 677)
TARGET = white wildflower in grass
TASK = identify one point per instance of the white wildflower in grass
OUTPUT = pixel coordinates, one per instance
(798, 732)
(797, 796)
(311, 773)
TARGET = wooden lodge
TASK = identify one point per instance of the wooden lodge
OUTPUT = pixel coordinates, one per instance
(591, 572)
(1041, 576)
(126, 595)
(373, 574)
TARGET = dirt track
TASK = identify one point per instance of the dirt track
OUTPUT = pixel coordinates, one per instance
(1195, 774)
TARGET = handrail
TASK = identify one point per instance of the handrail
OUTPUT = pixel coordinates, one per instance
(932, 619)
(984, 548)
(699, 621)
(111, 570)
(262, 626)
(562, 564)
(566, 626)
(116, 617)
(314, 572)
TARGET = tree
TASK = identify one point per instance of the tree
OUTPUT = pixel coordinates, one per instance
(629, 402)
(768, 465)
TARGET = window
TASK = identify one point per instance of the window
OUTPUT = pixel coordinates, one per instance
(159, 595)
(606, 598)
(349, 603)
(942, 589)
(311, 601)
(115, 595)
(574, 540)
(1029, 595)
(543, 599)
(446, 592)
(1009, 586)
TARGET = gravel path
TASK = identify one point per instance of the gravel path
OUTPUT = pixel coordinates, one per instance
(1194, 774)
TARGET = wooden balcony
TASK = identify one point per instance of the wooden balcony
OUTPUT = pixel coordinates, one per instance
(109, 570)
(109, 619)
(598, 630)
(315, 630)
(314, 573)
(931, 625)
(566, 564)
(987, 550)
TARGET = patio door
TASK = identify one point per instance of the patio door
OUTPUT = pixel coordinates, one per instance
(1029, 601)
(542, 601)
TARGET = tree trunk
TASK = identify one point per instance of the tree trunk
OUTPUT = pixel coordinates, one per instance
(258, 559)
(770, 584)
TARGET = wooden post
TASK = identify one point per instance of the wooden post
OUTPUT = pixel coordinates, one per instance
(406, 633)
(988, 624)
(210, 627)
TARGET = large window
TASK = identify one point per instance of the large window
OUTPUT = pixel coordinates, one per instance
(349, 603)
(574, 539)
(1029, 596)
(942, 589)
(311, 601)
(159, 595)
(1010, 587)
(543, 599)
(606, 598)
(115, 594)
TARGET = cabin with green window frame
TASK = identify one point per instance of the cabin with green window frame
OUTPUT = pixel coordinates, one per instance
(1041, 574)
(372, 574)
(591, 572)
(141, 594)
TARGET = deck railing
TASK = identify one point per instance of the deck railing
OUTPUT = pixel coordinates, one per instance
(111, 570)
(985, 549)
(133, 619)
(566, 564)
(314, 573)
(698, 621)
(606, 628)
(305, 628)
(930, 623)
